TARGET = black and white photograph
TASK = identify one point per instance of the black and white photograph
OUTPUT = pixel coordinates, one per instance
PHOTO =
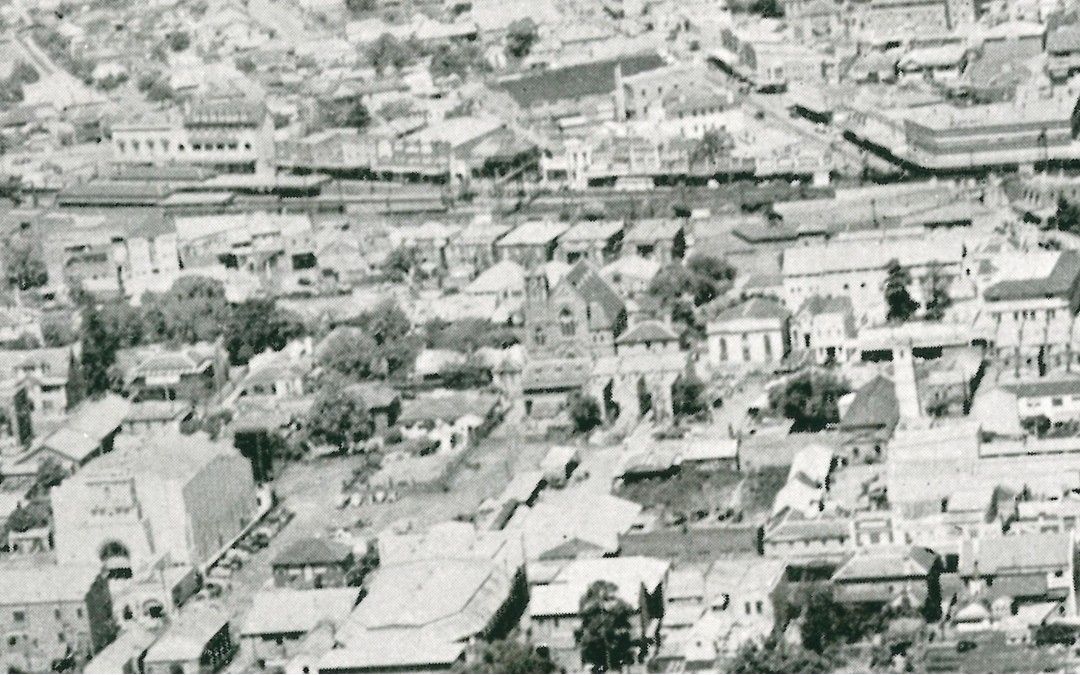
(539, 336)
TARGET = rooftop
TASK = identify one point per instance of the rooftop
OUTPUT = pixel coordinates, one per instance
(285, 610)
(313, 551)
(45, 584)
(577, 81)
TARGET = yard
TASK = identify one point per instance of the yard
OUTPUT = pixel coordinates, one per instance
(694, 494)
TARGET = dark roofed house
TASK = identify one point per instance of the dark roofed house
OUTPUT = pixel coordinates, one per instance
(659, 239)
(647, 336)
(888, 576)
(754, 331)
(577, 82)
(1063, 281)
(869, 421)
(313, 563)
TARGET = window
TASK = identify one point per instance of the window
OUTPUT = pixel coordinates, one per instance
(56, 613)
(759, 606)
(567, 325)
(18, 616)
(60, 638)
(723, 349)
(747, 606)
(180, 147)
(1056, 401)
(768, 346)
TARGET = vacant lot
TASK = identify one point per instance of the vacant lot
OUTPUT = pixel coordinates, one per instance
(698, 494)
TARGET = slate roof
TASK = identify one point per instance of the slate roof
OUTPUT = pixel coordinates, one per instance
(577, 81)
(647, 331)
(595, 290)
(874, 405)
(913, 561)
(754, 308)
(1062, 387)
(1015, 554)
(1059, 282)
(817, 305)
(312, 551)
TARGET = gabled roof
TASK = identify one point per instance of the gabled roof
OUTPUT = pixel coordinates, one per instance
(1060, 281)
(1016, 553)
(595, 291)
(577, 81)
(874, 405)
(647, 331)
(286, 610)
(816, 305)
(1035, 388)
(312, 551)
(754, 308)
(913, 561)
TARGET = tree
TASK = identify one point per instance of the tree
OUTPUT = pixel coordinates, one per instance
(688, 395)
(400, 263)
(257, 325)
(900, 303)
(360, 6)
(1066, 218)
(521, 35)
(246, 65)
(712, 146)
(24, 73)
(512, 656)
(605, 638)
(1037, 425)
(458, 59)
(25, 268)
(29, 516)
(701, 279)
(469, 334)
(99, 347)
(49, 474)
(776, 656)
(472, 374)
(584, 413)
(179, 41)
(643, 396)
(390, 328)
(349, 352)
(339, 417)
(194, 309)
(937, 294)
(826, 622)
(809, 399)
(387, 52)
(771, 9)
(159, 91)
(357, 117)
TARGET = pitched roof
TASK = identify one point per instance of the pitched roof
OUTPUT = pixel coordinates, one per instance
(577, 81)
(593, 230)
(46, 583)
(594, 291)
(874, 405)
(913, 561)
(1060, 281)
(754, 308)
(188, 634)
(1015, 553)
(816, 305)
(312, 551)
(1034, 388)
(647, 331)
(286, 610)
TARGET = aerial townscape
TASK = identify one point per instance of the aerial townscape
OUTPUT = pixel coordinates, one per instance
(537, 336)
